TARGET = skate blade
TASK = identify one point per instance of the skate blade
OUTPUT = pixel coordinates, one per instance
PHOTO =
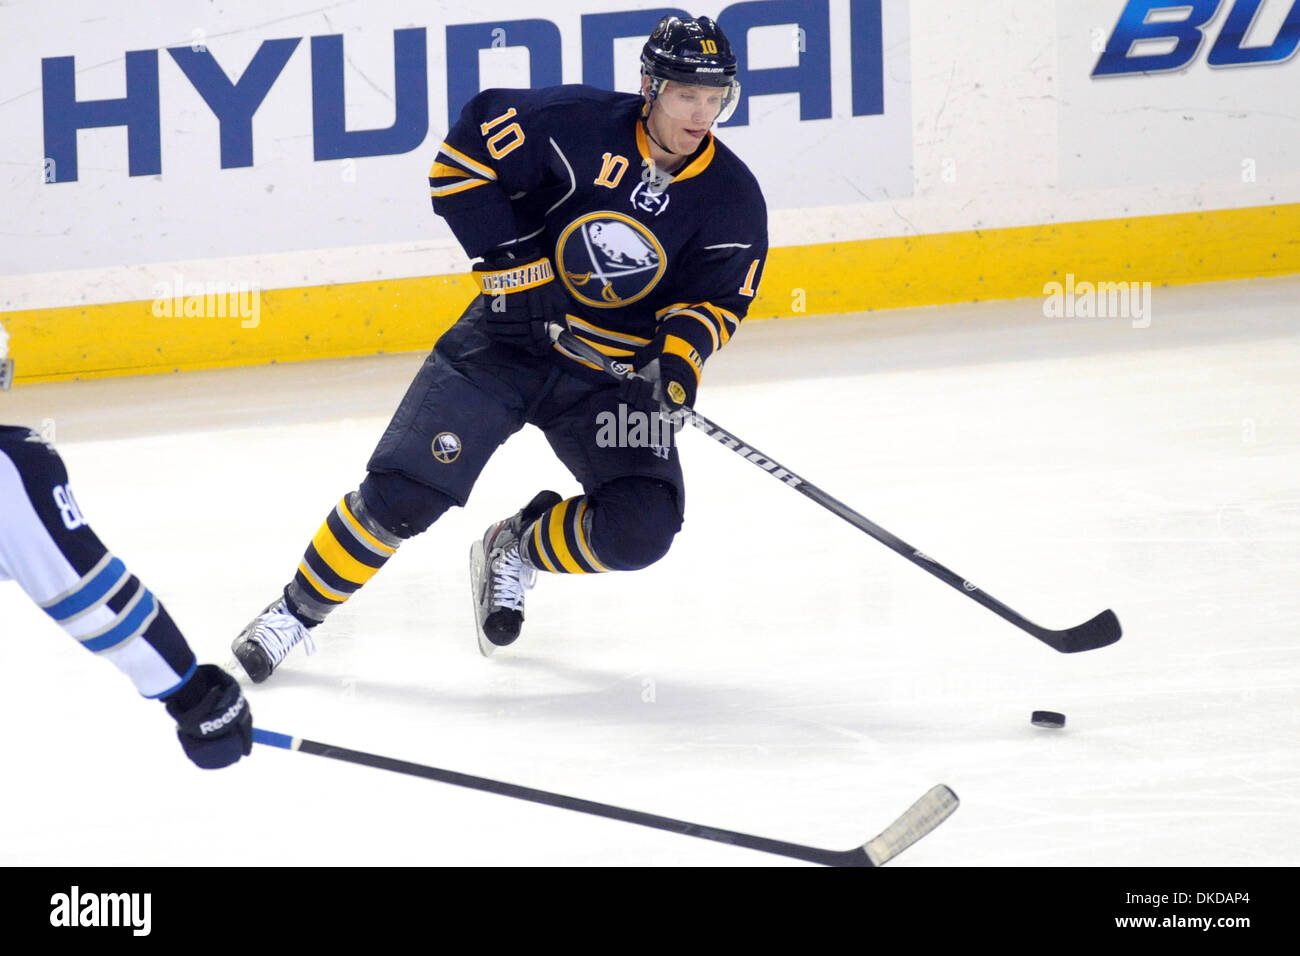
(476, 565)
(235, 669)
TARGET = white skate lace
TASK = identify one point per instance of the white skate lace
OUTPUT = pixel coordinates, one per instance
(278, 631)
(511, 577)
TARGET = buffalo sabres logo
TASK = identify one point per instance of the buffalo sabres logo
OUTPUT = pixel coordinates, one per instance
(607, 259)
(446, 447)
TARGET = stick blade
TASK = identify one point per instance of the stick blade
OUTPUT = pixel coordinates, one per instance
(1102, 631)
(937, 805)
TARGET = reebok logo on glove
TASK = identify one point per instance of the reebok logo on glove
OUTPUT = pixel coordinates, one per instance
(209, 727)
(213, 720)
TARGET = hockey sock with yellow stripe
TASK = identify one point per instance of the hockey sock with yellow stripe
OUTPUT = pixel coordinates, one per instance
(347, 551)
(560, 540)
(624, 525)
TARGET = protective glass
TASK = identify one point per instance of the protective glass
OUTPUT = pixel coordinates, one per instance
(697, 105)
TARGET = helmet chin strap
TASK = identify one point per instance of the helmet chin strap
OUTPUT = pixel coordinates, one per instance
(645, 121)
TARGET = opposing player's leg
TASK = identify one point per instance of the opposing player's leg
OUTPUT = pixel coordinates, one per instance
(469, 396)
(625, 520)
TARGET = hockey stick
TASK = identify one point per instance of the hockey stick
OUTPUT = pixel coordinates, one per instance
(921, 817)
(1102, 630)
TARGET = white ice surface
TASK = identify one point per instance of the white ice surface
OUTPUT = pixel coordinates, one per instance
(779, 672)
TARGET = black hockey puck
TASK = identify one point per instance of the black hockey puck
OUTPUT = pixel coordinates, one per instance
(1047, 718)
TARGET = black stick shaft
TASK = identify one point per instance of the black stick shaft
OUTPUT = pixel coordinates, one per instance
(1098, 632)
(855, 857)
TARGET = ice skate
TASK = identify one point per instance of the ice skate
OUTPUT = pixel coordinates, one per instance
(499, 576)
(263, 644)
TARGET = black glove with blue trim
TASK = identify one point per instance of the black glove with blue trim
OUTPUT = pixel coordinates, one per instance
(212, 718)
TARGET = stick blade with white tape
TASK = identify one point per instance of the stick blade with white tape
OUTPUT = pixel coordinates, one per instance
(921, 818)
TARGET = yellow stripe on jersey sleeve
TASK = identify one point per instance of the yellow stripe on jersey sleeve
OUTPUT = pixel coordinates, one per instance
(456, 187)
(714, 326)
(728, 321)
(441, 170)
(683, 349)
(472, 165)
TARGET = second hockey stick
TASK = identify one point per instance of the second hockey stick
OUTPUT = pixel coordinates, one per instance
(1098, 632)
(935, 806)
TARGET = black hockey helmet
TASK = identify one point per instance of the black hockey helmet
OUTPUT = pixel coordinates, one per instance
(693, 51)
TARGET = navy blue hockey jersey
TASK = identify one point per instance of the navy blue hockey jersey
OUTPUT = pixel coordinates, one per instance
(568, 168)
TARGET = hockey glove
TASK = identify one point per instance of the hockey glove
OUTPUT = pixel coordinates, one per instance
(213, 721)
(520, 298)
(666, 379)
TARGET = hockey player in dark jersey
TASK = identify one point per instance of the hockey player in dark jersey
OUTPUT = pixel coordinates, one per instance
(49, 549)
(619, 216)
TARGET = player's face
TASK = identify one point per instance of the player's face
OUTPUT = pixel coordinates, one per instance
(685, 113)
